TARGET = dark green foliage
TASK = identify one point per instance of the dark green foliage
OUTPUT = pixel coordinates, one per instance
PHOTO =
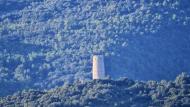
(48, 43)
(108, 93)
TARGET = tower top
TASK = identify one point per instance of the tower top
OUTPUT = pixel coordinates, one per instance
(98, 56)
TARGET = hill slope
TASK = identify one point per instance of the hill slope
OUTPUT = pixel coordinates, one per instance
(108, 93)
(44, 44)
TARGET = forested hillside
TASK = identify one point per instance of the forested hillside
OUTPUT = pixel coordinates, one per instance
(48, 43)
(108, 93)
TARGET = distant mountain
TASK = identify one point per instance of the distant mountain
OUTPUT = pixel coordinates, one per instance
(48, 43)
(108, 93)
(15, 5)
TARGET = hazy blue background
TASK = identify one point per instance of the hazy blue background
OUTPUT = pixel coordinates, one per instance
(47, 43)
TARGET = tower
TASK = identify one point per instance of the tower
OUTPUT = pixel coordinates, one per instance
(98, 69)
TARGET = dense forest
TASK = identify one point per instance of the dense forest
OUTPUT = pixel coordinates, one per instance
(49, 43)
(108, 93)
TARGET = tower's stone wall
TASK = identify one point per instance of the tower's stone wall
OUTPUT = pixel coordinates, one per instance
(98, 70)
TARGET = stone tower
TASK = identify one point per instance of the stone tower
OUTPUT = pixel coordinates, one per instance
(98, 69)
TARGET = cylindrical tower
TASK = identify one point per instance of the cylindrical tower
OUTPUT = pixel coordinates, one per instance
(98, 69)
